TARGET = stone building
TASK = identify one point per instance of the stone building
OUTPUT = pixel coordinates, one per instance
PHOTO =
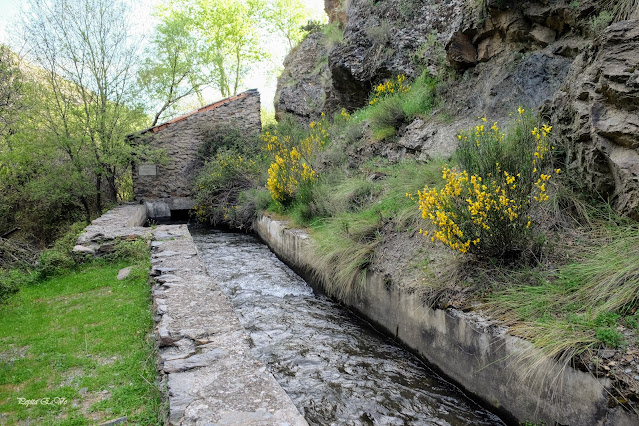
(166, 188)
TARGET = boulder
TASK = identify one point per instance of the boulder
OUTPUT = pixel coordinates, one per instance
(124, 273)
(543, 35)
(79, 249)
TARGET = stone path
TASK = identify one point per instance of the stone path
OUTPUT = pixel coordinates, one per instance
(205, 361)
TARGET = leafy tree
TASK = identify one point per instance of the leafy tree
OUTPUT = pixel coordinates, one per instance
(89, 58)
(228, 31)
(11, 89)
(171, 71)
(288, 17)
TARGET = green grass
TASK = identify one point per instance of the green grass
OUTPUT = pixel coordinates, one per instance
(356, 215)
(394, 110)
(85, 337)
(580, 306)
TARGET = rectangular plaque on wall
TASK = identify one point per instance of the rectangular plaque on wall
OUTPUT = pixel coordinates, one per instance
(147, 170)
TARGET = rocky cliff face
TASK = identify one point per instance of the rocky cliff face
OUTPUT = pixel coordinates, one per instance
(303, 85)
(597, 113)
(504, 54)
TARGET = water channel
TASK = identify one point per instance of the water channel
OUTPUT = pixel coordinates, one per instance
(336, 368)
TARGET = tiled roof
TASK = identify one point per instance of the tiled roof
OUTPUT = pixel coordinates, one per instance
(205, 108)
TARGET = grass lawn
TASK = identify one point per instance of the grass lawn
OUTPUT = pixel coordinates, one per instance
(76, 349)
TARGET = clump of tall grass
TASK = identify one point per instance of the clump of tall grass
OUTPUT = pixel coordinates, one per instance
(357, 214)
(578, 307)
(395, 103)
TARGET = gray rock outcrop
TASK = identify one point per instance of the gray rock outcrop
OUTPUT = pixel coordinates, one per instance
(597, 116)
(305, 83)
(537, 54)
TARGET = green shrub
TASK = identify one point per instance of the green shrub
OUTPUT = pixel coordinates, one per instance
(599, 23)
(485, 205)
(291, 173)
(219, 187)
(59, 258)
(8, 284)
(607, 319)
(610, 337)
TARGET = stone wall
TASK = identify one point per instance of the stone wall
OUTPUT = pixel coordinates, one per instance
(167, 186)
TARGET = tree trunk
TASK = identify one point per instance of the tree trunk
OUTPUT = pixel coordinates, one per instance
(98, 192)
(87, 209)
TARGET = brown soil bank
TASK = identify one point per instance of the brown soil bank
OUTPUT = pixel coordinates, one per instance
(506, 372)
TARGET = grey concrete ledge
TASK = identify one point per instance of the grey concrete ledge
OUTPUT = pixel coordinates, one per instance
(504, 371)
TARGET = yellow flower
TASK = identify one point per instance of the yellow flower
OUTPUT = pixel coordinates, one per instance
(520, 110)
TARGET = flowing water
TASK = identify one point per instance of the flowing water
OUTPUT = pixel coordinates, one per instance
(336, 369)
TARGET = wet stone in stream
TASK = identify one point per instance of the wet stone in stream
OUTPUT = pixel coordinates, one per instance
(336, 369)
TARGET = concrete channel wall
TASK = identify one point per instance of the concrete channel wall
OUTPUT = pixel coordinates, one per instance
(476, 353)
(207, 370)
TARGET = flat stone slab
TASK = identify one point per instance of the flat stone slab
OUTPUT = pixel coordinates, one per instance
(204, 357)
(211, 375)
(122, 222)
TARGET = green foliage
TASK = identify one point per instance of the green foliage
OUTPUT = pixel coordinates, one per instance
(395, 103)
(11, 89)
(220, 187)
(288, 17)
(599, 23)
(609, 337)
(85, 110)
(10, 281)
(65, 156)
(291, 173)
(267, 117)
(59, 258)
(227, 38)
(136, 250)
(632, 321)
(171, 70)
(485, 207)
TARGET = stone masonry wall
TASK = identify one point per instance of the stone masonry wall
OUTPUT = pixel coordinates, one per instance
(166, 187)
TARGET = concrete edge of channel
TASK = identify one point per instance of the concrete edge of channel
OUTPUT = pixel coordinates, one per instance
(472, 351)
